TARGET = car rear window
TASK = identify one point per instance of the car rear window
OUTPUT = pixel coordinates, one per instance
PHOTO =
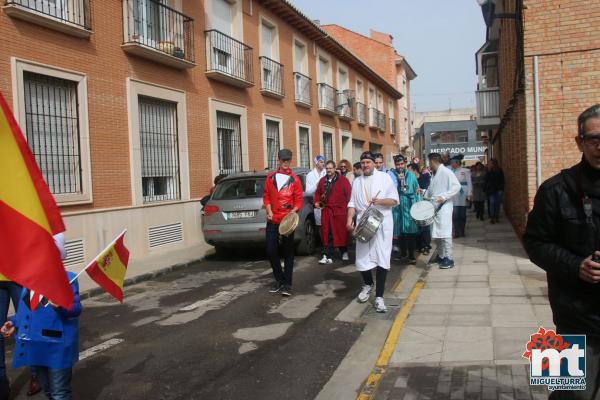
(239, 189)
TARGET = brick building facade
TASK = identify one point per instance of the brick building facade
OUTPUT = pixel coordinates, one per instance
(133, 107)
(563, 38)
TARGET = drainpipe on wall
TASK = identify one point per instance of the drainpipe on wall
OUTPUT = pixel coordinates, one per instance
(538, 139)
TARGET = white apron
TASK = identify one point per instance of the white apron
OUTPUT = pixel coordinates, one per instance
(378, 251)
(312, 181)
(444, 184)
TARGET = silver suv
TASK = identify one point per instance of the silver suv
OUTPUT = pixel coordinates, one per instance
(234, 215)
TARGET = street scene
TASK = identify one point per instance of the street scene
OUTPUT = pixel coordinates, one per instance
(299, 199)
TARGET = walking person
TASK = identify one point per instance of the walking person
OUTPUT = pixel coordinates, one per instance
(312, 180)
(376, 189)
(332, 197)
(494, 187)
(443, 187)
(462, 198)
(561, 237)
(282, 195)
(478, 181)
(423, 232)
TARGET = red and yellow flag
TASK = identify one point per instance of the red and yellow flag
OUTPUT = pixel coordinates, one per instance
(109, 268)
(29, 217)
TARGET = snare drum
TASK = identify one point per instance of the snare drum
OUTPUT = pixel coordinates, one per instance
(423, 212)
(369, 223)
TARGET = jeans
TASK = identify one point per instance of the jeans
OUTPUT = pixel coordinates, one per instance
(380, 276)
(56, 382)
(283, 277)
(8, 291)
(459, 220)
(495, 202)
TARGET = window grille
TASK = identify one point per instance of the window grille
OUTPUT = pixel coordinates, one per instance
(273, 145)
(229, 137)
(160, 151)
(328, 146)
(52, 130)
(304, 150)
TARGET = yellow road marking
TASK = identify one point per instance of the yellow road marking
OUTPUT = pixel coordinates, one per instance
(370, 387)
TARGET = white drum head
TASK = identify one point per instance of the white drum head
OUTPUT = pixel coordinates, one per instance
(422, 210)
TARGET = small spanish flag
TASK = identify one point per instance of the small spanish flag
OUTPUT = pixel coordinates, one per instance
(109, 268)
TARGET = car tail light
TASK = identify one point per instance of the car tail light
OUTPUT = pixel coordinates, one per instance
(210, 210)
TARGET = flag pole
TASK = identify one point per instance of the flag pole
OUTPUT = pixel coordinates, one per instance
(94, 259)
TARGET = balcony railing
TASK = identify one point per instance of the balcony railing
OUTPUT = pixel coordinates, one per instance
(71, 16)
(326, 98)
(373, 118)
(158, 32)
(488, 103)
(228, 60)
(361, 113)
(302, 89)
(345, 103)
(381, 122)
(271, 82)
(393, 130)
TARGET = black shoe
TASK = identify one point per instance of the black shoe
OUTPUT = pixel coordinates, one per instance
(446, 263)
(436, 260)
(286, 291)
(277, 287)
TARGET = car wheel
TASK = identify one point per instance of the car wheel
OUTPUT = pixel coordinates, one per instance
(307, 243)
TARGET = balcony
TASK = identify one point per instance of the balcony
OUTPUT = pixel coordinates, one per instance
(271, 82)
(361, 113)
(373, 118)
(71, 17)
(344, 104)
(159, 33)
(488, 107)
(228, 60)
(393, 130)
(381, 122)
(302, 88)
(326, 98)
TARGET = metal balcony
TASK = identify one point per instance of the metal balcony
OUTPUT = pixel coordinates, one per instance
(344, 104)
(159, 33)
(71, 17)
(326, 98)
(488, 107)
(302, 90)
(271, 82)
(361, 113)
(373, 118)
(228, 60)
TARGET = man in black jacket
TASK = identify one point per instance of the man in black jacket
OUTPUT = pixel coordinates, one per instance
(562, 234)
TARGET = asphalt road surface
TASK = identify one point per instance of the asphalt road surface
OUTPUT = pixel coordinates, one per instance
(212, 331)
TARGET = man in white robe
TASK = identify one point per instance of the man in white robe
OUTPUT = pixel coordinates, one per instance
(312, 180)
(443, 187)
(378, 189)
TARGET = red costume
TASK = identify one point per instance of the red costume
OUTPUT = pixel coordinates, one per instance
(335, 210)
(284, 200)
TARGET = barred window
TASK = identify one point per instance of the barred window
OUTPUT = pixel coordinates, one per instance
(160, 150)
(229, 138)
(52, 130)
(273, 145)
(327, 146)
(304, 150)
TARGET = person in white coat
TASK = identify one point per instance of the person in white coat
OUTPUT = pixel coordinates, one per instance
(312, 180)
(377, 189)
(443, 187)
(461, 200)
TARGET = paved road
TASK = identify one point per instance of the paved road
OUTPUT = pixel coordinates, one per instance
(214, 332)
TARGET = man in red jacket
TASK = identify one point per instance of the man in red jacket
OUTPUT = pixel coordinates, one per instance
(282, 195)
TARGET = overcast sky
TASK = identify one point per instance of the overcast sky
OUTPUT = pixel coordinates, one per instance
(439, 39)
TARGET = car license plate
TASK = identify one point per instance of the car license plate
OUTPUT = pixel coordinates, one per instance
(242, 214)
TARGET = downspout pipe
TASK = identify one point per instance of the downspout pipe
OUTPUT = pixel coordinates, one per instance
(536, 105)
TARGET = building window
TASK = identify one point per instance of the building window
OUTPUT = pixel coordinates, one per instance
(327, 146)
(160, 150)
(448, 137)
(273, 145)
(304, 146)
(52, 129)
(229, 137)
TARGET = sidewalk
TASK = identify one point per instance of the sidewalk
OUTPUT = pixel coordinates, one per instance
(467, 331)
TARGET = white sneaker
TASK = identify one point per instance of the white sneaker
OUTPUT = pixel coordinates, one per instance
(345, 256)
(365, 293)
(329, 261)
(323, 260)
(380, 305)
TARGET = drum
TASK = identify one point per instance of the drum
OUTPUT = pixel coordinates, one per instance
(423, 212)
(369, 222)
(288, 224)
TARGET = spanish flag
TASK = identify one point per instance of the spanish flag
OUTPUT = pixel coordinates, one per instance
(29, 217)
(109, 268)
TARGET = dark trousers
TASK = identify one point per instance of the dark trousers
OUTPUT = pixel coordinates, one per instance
(592, 372)
(424, 237)
(380, 275)
(9, 291)
(459, 220)
(495, 201)
(408, 241)
(478, 209)
(55, 382)
(284, 277)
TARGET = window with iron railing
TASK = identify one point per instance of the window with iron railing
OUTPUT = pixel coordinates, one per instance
(152, 24)
(361, 113)
(381, 121)
(228, 56)
(271, 76)
(273, 145)
(326, 97)
(229, 141)
(75, 12)
(302, 86)
(373, 117)
(304, 144)
(344, 103)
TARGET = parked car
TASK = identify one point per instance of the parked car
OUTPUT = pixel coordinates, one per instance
(234, 215)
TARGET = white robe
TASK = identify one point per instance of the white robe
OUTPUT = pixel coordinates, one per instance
(466, 187)
(312, 180)
(378, 251)
(444, 184)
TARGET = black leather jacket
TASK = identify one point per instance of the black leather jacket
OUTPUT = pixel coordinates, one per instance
(558, 237)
